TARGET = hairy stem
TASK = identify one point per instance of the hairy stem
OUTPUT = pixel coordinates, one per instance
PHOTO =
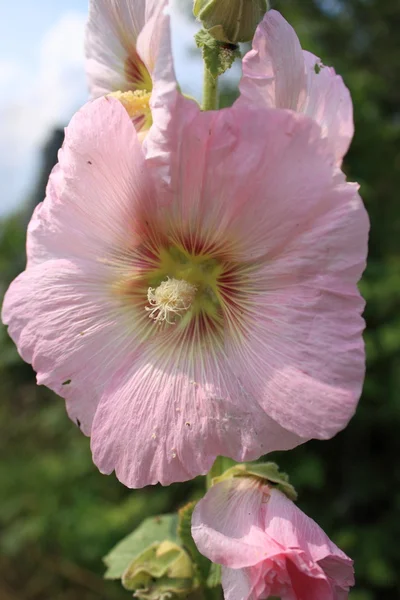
(210, 91)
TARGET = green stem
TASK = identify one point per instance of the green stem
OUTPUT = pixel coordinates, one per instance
(210, 91)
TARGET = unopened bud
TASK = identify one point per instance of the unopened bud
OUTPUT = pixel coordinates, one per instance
(164, 570)
(230, 21)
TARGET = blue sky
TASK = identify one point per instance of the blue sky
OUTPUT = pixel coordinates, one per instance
(42, 81)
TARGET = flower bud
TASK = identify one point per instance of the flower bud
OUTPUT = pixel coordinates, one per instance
(230, 21)
(266, 545)
(162, 570)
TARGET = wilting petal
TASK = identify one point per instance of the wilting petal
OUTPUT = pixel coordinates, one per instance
(124, 42)
(277, 73)
(271, 548)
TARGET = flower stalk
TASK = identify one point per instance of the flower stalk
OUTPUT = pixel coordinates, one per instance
(210, 90)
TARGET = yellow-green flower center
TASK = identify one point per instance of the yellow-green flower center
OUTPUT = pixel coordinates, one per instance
(171, 299)
(183, 284)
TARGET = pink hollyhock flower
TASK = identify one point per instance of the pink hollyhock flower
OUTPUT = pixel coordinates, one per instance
(128, 50)
(268, 546)
(278, 73)
(211, 312)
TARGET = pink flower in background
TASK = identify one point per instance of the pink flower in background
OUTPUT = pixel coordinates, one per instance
(268, 546)
(128, 50)
(217, 314)
(278, 73)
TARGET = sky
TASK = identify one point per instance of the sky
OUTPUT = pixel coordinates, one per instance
(42, 81)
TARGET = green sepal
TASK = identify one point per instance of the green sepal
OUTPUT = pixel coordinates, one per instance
(218, 56)
(266, 472)
(152, 530)
(166, 589)
(163, 568)
(201, 563)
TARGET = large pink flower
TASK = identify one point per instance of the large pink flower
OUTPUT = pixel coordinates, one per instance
(278, 73)
(267, 546)
(211, 312)
(129, 55)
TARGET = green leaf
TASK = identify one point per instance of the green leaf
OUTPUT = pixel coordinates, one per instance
(202, 564)
(153, 529)
(218, 56)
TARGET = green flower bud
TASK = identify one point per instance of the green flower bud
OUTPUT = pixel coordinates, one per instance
(230, 21)
(164, 570)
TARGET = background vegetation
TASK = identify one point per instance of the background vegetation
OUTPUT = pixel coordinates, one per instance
(59, 516)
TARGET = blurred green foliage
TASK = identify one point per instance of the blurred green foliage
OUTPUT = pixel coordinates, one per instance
(59, 516)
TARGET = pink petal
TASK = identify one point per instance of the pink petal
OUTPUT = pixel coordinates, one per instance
(305, 344)
(171, 113)
(329, 102)
(277, 73)
(269, 545)
(166, 415)
(124, 42)
(228, 523)
(60, 311)
(296, 582)
(95, 219)
(154, 41)
(285, 522)
(293, 215)
(238, 583)
(273, 71)
(99, 174)
(60, 319)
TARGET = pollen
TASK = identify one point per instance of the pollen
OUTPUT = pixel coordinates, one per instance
(137, 105)
(171, 299)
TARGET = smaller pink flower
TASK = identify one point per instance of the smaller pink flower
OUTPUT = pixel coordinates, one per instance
(129, 55)
(268, 546)
(277, 73)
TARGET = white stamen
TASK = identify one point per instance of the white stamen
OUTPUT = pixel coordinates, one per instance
(170, 299)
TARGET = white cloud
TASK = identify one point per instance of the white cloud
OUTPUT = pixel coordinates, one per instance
(9, 74)
(187, 58)
(62, 79)
(33, 102)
